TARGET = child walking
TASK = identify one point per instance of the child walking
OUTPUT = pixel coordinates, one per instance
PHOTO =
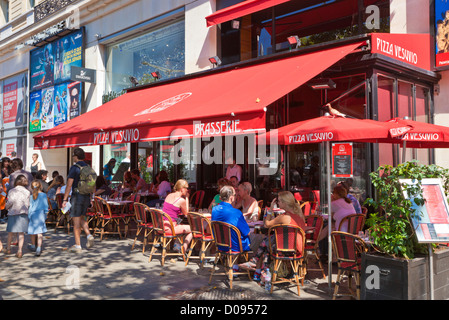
(17, 204)
(37, 216)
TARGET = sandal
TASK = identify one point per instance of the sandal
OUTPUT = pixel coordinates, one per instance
(248, 266)
(19, 255)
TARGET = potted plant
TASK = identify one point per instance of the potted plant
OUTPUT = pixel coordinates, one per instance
(401, 262)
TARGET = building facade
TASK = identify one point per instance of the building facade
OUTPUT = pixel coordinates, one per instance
(136, 45)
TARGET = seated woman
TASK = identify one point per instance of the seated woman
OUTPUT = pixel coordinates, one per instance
(341, 207)
(102, 189)
(246, 203)
(129, 184)
(293, 216)
(216, 200)
(162, 188)
(53, 188)
(177, 204)
(355, 202)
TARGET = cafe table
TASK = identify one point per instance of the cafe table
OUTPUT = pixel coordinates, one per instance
(120, 208)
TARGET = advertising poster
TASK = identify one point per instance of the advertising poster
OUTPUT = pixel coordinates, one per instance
(431, 222)
(342, 165)
(60, 105)
(441, 33)
(41, 67)
(47, 109)
(35, 111)
(68, 53)
(74, 90)
(54, 99)
(10, 96)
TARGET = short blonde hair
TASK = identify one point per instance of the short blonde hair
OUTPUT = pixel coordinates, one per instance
(247, 187)
(181, 183)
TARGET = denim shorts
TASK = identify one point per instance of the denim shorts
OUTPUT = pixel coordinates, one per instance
(80, 203)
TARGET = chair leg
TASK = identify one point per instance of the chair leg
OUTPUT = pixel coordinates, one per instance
(277, 264)
(213, 268)
(230, 270)
(137, 234)
(192, 245)
(153, 248)
(337, 284)
(295, 266)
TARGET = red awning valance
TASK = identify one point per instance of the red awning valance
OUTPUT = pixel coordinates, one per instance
(212, 104)
(240, 9)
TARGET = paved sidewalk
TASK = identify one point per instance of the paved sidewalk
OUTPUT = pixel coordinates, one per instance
(110, 270)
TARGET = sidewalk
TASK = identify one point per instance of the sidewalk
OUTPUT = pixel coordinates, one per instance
(110, 270)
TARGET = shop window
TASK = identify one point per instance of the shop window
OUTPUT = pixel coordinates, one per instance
(422, 115)
(145, 154)
(385, 111)
(314, 22)
(162, 49)
(349, 96)
(405, 110)
(121, 153)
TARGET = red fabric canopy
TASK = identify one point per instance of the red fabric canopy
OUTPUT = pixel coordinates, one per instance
(240, 9)
(329, 128)
(211, 104)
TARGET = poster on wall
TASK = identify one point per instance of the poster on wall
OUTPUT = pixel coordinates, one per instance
(35, 111)
(74, 90)
(60, 104)
(54, 98)
(10, 95)
(41, 67)
(47, 109)
(441, 33)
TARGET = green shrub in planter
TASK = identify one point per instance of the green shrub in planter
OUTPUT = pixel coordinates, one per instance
(391, 227)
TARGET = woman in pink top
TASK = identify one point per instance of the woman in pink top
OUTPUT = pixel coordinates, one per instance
(177, 204)
(341, 207)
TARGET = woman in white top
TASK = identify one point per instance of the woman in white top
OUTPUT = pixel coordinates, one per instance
(246, 203)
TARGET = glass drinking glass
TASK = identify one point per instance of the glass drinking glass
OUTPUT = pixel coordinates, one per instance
(157, 205)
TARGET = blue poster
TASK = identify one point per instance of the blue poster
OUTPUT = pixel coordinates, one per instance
(35, 111)
(61, 101)
(41, 67)
(441, 33)
(68, 53)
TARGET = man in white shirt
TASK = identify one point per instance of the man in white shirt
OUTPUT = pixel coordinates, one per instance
(233, 170)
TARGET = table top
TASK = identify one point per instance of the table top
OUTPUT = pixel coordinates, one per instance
(119, 202)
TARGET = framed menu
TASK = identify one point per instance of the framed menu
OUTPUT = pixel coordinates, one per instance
(342, 166)
(431, 220)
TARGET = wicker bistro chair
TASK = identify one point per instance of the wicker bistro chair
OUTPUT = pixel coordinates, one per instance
(164, 237)
(315, 221)
(348, 249)
(92, 216)
(51, 214)
(196, 200)
(107, 219)
(356, 222)
(285, 250)
(129, 211)
(201, 231)
(222, 232)
(141, 210)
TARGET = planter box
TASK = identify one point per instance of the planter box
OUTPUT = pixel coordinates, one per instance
(402, 279)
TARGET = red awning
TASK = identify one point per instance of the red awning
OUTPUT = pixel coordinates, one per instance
(240, 9)
(233, 101)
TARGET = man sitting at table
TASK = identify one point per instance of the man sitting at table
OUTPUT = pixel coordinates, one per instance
(226, 213)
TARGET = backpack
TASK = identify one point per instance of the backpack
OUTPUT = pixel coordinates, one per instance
(88, 177)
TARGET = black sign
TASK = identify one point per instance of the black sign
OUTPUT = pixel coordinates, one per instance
(83, 74)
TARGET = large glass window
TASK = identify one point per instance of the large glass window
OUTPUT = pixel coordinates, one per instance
(266, 31)
(160, 50)
(386, 103)
(122, 154)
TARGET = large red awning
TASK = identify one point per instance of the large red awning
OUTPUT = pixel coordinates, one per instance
(240, 9)
(233, 101)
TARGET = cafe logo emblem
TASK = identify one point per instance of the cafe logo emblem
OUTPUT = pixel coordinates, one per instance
(167, 103)
(341, 148)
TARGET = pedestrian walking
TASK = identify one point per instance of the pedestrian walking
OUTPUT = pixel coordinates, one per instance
(17, 205)
(37, 215)
(79, 202)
